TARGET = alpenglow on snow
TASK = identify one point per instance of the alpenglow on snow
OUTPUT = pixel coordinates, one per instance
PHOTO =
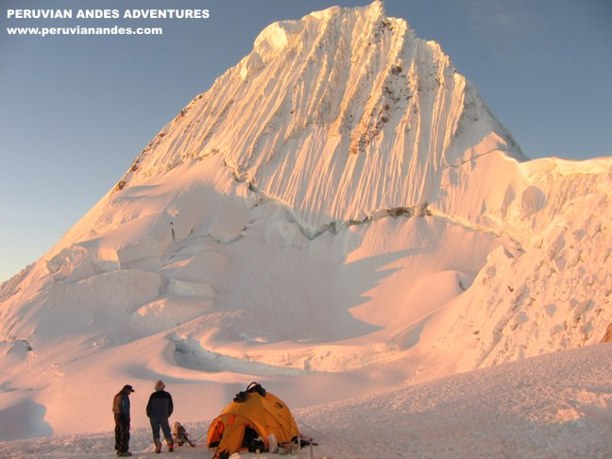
(340, 201)
(337, 116)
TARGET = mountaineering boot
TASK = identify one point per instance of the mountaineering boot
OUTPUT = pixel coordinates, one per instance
(158, 446)
(170, 446)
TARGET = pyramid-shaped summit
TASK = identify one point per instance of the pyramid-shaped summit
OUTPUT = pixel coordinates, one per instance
(338, 115)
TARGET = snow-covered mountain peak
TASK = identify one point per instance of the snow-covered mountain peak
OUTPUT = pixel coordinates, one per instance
(373, 12)
(283, 34)
(345, 89)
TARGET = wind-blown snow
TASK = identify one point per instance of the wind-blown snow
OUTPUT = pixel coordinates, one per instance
(339, 216)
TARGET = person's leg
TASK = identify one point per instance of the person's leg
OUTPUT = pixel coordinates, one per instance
(155, 426)
(117, 433)
(124, 434)
(154, 429)
(165, 425)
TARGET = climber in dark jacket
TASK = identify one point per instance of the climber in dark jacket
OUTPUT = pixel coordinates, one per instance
(159, 409)
(121, 412)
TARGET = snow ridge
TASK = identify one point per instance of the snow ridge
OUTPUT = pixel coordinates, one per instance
(551, 294)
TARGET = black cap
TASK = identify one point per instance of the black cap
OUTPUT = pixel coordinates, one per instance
(128, 388)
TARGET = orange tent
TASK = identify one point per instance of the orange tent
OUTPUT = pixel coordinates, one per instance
(254, 412)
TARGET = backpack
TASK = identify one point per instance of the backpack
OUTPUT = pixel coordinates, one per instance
(180, 435)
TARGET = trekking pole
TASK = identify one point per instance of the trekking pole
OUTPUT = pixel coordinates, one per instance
(311, 428)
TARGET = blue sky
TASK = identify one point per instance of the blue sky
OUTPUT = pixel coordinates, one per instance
(76, 110)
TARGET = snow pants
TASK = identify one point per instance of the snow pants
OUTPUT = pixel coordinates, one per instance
(156, 424)
(122, 433)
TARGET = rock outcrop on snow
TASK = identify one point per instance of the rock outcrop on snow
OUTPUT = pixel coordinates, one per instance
(608, 336)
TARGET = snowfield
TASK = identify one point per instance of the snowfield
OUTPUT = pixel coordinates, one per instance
(554, 406)
(341, 218)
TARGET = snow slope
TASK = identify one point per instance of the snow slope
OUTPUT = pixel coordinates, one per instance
(554, 406)
(340, 215)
